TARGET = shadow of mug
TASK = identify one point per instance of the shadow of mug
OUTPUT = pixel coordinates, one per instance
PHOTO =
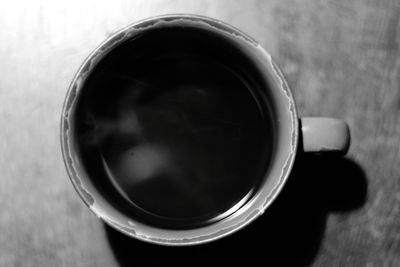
(289, 233)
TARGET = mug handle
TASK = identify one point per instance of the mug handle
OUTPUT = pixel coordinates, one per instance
(324, 135)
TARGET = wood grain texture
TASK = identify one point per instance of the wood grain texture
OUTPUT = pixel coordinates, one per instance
(341, 58)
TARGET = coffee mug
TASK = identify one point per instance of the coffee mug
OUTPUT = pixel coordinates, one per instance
(181, 129)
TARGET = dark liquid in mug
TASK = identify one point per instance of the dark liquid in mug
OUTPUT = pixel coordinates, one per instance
(170, 130)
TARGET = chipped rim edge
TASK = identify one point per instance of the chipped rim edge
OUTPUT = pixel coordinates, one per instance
(114, 40)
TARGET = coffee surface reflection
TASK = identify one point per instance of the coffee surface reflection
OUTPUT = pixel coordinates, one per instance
(174, 136)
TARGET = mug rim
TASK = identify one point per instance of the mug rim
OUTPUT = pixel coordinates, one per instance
(249, 211)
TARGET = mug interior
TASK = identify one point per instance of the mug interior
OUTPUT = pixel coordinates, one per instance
(273, 98)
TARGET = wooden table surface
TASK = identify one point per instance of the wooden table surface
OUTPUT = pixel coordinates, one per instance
(341, 58)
